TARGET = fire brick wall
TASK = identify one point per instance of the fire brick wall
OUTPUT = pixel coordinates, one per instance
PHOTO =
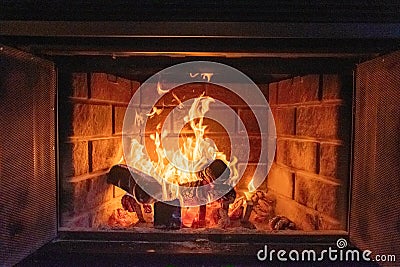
(92, 108)
(91, 112)
(310, 173)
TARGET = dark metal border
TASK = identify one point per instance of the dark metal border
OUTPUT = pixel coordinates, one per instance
(198, 29)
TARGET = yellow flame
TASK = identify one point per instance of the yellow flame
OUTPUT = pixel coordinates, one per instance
(204, 75)
(251, 186)
(194, 152)
(154, 112)
(207, 76)
(159, 90)
(180, 104)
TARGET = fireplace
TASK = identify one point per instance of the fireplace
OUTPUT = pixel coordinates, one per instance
(308, 181)
(327, 154)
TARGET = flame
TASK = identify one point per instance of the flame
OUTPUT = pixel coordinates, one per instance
(159, 90)
(204, 75)
(207, 76)
(139, 119)
(154, 112)
(180, 105)
(194, 152)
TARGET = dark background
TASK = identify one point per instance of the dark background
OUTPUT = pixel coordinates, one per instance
(157, 10)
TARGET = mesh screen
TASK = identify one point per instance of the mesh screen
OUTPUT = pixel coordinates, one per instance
(27, 155)
(375, 216)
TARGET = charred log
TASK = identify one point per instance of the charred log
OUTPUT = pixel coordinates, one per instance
(167, 215)
(281, 223)
(122, 176)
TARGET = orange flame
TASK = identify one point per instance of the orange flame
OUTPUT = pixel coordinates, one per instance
(194, 153)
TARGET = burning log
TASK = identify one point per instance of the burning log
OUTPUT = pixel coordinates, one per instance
(236, 209)
(202, 216)
(281, 223)
(217, 173)
(167, 215)
(122, 218)
(121, 176)
(263, 206)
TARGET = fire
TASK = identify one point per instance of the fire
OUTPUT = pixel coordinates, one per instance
(172, 168)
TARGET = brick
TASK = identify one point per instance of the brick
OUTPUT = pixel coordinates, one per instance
(90, 120)
(273, 93)
(297, 154)
(216, 118)
(330, 122)
(119, 114)
(307, 88)
(280, 180)
(134, 87)
(183, 93)
(223, 144)
(74, 158)
(337, 87)
(106, 153)
(284, 120)
(327, 223)
(154, 121)
(282, 151)
(332, 87)
(287, 94)
(87, 194)
(322, 196)
(250, 123)
(305, 218)
(109, 87)
(79, 85)
(224, 95)
(303, 155)
(334, 161)
(136, 119)
(239, 144)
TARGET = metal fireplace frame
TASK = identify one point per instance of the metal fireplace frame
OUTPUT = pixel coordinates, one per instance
(282, 45)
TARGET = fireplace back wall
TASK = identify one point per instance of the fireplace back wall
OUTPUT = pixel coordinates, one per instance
(92, 108)
(308, 179)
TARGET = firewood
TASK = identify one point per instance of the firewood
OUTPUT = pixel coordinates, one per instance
(122, 218)
(263, 206)
(223, 220)
(236, 209)
(167, 215)
(122, 176)
(281, 223)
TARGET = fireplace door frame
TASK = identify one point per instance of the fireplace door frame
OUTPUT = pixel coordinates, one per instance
(28, 184)
(355, 231)
(375, 189)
